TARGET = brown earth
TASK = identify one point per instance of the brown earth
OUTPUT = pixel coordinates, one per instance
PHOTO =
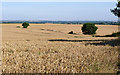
(49, 48)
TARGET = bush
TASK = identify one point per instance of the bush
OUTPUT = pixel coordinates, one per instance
(71, 32)
(17, 26)
(25, 25)
(117, 34)
(89, 28)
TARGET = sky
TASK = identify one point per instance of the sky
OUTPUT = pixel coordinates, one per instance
(59, 11)
(59, 0)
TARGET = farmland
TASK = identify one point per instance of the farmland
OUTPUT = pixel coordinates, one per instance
(49, 48)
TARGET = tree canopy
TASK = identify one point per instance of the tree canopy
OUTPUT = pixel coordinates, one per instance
(25, 25)
(116, 11)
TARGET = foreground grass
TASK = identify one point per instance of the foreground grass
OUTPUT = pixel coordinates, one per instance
(58, 57)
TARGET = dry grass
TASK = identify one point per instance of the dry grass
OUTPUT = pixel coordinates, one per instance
(48, 48)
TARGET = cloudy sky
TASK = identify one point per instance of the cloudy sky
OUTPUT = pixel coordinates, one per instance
(62, 11)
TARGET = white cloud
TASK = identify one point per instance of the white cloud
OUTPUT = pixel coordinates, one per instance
(59, 0)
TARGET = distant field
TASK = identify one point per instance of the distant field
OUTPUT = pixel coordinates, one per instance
(49, 48)
(54, 30)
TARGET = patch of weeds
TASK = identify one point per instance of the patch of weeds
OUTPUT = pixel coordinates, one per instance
(27, 40)
(49, 30)
(94, 67)
(68, 37)
(17, 26)
(11, 51)
(42, 29)
(76, 36)
(39, 53)
(51, 51)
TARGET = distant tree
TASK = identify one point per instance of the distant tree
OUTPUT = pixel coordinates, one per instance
(25, 25)
(89, 28)
(116, 11)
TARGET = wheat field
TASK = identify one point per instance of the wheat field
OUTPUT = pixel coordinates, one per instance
(49, 48)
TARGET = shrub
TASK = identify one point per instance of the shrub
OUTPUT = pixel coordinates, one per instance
(89, 28)
(71, 32)
(117, 34)
(25, 25)
(17, 26)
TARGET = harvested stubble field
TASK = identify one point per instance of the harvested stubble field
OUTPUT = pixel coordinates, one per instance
(49, 48)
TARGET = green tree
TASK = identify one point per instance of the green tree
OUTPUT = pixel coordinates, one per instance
(89, 28)
(116, 11)
(25, 25)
